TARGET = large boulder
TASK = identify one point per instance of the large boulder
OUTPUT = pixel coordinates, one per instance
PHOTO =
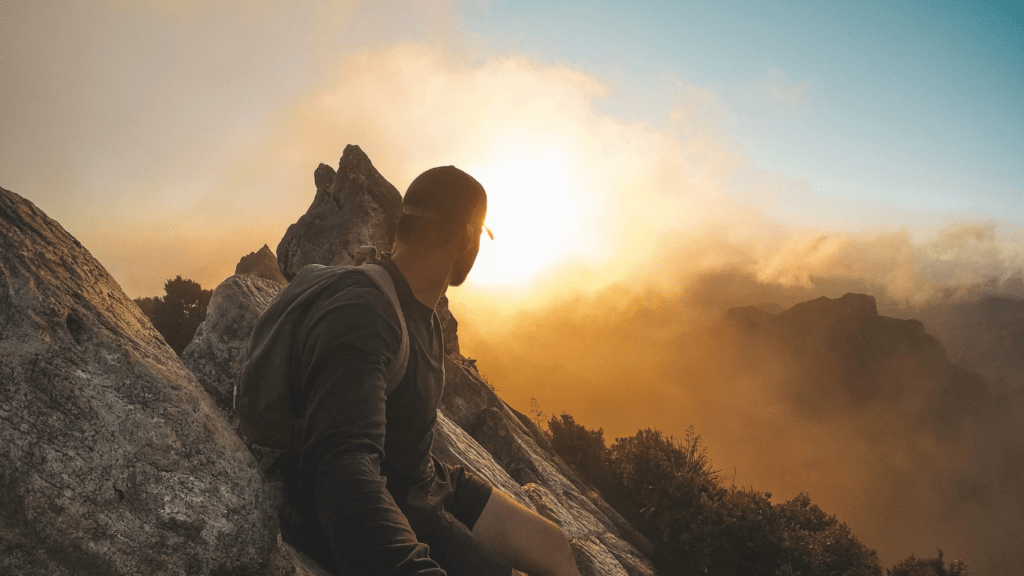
(216, 352)
(262, 263)
(113, 460)
(353, 207)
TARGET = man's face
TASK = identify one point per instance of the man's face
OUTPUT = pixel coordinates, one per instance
(464, 261)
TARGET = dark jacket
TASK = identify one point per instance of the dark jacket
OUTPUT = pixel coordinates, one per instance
(361, 460)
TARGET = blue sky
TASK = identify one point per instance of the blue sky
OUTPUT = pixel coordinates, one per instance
(917, 104)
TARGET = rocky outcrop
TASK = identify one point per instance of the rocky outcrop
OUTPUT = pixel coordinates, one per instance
(262, 264)
(599, 553)
(216, 352)
(353, 207)
(840, 356)
(113, 460)
(852, 390)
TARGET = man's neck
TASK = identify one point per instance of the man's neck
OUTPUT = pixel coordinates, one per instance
(426, 271)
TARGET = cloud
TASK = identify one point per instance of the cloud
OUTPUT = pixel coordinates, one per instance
(900, 269)
(221, 144)
(568, 186)
(579, 200)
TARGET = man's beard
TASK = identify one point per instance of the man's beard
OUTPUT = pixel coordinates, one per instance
(463, 264)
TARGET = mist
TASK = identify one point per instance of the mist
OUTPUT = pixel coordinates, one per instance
(912, 464)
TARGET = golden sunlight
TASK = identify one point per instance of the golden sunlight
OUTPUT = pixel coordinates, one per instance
(534, 211)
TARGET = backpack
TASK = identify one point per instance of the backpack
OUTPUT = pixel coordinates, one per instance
(262, 399)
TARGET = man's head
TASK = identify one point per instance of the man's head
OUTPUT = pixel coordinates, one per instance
(444, 208)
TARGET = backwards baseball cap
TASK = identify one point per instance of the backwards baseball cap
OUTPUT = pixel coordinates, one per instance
(449, 194)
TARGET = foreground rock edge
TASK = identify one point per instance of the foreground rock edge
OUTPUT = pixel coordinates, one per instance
(113, 460)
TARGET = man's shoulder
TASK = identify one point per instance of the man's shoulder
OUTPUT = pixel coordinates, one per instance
(328, 281)
(315, 275)
(348, 290)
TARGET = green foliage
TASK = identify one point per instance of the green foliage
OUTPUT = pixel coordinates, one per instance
(706, 527)
(147, 305)
(178, 314)
(582, 449)
(912, 566)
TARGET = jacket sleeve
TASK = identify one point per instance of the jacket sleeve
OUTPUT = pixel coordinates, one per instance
(352, 339)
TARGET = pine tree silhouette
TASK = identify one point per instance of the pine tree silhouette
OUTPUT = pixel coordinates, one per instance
(178, 314)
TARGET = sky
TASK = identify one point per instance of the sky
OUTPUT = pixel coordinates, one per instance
(173, 137)
(647, 166)
(910, 103)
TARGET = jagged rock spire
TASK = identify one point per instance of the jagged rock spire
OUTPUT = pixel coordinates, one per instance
(353, 207)
(263, 264)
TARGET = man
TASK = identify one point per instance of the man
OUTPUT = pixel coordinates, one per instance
(365, 477)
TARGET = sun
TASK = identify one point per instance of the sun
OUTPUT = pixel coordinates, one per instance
(535, 212)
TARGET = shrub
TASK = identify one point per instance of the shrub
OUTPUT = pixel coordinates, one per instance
(912, 566)
(581, 448)
(704, 526)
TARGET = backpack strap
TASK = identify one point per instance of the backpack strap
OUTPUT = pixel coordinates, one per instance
(396, 371)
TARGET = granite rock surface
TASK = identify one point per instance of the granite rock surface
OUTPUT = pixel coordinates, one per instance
(261, 263)
(113, 460)
(216, 352)
(353, 207)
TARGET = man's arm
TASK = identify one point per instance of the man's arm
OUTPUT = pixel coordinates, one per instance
(350, 343)
(524, 539)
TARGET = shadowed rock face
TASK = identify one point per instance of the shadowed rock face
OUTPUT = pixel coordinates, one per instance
(216, 352)
(262, 264)
(353, 207)
(112, 458)
(840, 356)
